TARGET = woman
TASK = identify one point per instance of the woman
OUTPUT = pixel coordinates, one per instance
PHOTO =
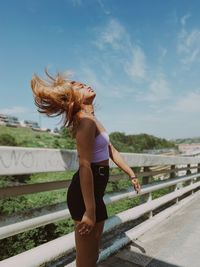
(74, 101)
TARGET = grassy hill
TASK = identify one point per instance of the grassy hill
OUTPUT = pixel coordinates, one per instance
(26, 137)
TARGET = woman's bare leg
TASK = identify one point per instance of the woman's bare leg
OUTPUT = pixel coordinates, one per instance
(87, 246)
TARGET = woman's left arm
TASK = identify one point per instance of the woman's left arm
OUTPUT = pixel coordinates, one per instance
(119, 161)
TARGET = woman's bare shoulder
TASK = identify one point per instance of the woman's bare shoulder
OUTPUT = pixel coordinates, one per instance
(86, 124)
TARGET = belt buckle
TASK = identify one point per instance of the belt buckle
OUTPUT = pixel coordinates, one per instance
(101, 168)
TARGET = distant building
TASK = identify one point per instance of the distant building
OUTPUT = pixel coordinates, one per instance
(8, 120)
(189, 149)
(13, 121)
(3, 119)
(31, 124)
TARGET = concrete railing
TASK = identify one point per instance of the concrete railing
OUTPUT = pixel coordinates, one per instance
(173, 172)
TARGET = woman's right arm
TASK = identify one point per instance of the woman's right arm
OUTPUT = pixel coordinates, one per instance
(85, 140)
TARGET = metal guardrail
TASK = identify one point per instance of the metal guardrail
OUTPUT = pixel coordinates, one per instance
(25, 160)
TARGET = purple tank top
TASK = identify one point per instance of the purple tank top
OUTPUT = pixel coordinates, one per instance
(100, 149)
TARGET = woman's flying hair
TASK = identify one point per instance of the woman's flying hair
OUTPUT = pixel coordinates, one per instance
(55, 96)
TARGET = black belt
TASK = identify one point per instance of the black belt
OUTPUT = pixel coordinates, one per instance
(100, 168)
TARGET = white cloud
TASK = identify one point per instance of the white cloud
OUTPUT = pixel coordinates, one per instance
(184, 19)
(128, 55)
(189, 103)
(14, 110)
(136, 66)
(102, 5)
(113, 35)
(159, 90)
(188, 44)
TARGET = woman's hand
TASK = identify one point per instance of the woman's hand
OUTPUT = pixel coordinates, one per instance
(136, 184)
(87, 223)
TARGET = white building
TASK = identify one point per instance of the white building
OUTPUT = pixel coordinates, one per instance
(189, 149)
(12, 121)
(30, 124)
(9, 120)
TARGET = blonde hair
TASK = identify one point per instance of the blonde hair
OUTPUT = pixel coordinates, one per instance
(56, 96)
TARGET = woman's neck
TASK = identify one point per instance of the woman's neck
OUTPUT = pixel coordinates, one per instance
(88, 109)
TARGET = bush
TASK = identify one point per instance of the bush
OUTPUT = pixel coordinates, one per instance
(56, 144)
(7, 140)
(65, 132)
(16, 244)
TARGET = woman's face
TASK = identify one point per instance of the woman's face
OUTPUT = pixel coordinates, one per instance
(86, 92)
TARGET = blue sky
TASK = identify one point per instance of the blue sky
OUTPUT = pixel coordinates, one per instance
(141, 57)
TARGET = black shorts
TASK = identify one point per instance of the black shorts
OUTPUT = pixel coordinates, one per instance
(75, 200)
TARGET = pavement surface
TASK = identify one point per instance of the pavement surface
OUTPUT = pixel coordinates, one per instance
(173, 243)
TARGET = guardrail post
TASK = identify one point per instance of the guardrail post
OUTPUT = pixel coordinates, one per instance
(188, 172)
(150, 214)
(146, 197)
(173, 175)
(191, 181)
(198, 170)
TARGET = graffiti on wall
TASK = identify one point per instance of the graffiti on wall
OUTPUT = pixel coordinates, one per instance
(36, 160)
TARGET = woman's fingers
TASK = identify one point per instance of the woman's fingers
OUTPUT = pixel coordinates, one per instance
(83, 228)
(86, 224)
(136, 185)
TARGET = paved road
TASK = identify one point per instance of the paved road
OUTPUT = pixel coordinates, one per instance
(173, 243)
